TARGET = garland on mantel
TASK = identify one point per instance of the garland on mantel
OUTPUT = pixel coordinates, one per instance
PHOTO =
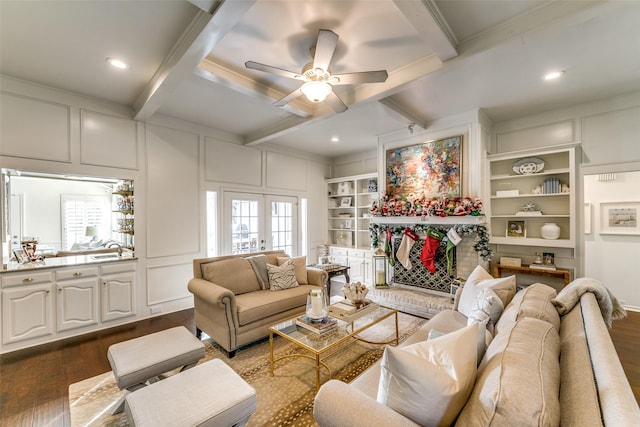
(420, 205)
(481, 247)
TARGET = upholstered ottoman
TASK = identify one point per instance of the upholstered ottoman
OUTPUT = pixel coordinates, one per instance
(211, 394)
(140, 360)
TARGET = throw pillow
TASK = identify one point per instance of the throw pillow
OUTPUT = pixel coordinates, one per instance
(282, 277)
(301, 267)
(430, 381)
(504, 287)
(486, 308)
(484, 338)
(259, 266)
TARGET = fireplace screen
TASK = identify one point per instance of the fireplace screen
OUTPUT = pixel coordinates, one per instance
(418, 276)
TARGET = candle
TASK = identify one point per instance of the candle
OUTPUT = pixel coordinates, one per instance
(316, 305)
(380, 279)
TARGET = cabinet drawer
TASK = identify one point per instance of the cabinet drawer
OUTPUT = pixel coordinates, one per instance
(76, 273)
(117, 267)
(26, 278)
(338, 252)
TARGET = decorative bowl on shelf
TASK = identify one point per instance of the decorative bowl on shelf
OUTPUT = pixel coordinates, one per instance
(528, 166)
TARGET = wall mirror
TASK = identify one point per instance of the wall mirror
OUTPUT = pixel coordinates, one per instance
(66, 214)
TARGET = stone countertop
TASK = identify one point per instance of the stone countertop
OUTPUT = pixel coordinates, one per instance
(67, 261)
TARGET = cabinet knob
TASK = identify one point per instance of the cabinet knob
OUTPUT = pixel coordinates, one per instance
(28, 279)
(77, 273)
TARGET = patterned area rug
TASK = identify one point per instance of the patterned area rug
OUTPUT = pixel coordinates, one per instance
(284, 399)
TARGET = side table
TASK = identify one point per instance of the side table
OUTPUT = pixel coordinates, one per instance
(334, 270)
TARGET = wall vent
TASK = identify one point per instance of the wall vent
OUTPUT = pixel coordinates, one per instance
(607, 177)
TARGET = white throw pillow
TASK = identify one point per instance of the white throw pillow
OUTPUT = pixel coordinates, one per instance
(484, 338)
(282, 276)
(429, 382)
(486, 308)
(504, 287)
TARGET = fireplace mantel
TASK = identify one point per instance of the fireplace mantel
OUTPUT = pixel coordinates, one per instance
(429, 220)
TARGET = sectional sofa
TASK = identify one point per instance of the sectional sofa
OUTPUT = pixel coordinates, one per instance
(539, 368)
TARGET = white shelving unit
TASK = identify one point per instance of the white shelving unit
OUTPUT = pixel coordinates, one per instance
(349, 201)
(558, 207)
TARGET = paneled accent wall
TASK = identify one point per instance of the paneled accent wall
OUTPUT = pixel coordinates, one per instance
(602, 132)
(173, 221)
(286, 172)
(98, 131)
(33, 128)
(168, 283)
(232, 163)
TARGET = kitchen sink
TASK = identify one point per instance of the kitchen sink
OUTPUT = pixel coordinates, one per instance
(105, 256)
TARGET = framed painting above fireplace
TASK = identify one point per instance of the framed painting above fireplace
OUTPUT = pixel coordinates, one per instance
(432, 168)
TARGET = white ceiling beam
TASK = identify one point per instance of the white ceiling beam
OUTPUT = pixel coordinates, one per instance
(207, 5)
(401, 113)
(239, 82)
(204, 32)
(426, 19)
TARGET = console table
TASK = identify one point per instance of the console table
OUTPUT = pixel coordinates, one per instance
(565, 275)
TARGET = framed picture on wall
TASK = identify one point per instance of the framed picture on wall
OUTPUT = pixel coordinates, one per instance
(619, 218)
(21, 256)
(516, 229)
(432, 168)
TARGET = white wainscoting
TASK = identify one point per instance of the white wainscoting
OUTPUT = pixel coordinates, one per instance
(108, 140)
(232, 163)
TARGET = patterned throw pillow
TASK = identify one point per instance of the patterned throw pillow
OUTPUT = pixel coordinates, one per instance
(282, 276)
(487, 307)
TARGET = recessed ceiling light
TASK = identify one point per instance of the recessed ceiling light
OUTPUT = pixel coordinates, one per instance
(118, 63)
(552, 75)
(335, 139)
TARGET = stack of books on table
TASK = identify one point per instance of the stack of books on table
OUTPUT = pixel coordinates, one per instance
(348, 312)
(550, 267)
(320, 326)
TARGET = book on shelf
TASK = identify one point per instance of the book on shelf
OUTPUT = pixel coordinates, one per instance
(549, 267)
(348, 311)
(318, 326)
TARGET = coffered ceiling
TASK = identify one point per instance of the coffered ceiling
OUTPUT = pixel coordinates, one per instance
(443, 57)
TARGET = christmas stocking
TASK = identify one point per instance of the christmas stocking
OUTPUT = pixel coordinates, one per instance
(387, 247)
(453, 239)
(431, 244)
(409, 237)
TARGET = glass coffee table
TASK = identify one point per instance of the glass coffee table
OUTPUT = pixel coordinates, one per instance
(322, 346)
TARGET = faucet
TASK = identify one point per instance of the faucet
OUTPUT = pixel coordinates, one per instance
(119, 247)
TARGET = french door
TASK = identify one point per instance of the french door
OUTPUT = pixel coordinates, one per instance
(258, 222)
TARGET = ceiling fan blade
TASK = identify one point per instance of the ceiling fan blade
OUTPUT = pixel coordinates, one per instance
(273, 70)
(325, 46)
(287, 99)
(336, 103)
(363, 77)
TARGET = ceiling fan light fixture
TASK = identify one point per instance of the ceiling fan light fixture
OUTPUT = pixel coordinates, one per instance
(316, 91)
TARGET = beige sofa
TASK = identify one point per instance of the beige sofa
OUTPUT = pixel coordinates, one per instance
(233, 309)
(540, 369)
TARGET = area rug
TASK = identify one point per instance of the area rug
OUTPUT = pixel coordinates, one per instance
(284, 399)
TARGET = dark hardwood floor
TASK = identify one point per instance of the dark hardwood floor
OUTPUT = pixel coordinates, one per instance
(34, 382)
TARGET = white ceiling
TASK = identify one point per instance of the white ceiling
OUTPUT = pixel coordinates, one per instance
(443, 57)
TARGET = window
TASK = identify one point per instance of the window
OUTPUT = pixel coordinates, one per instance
(79, 212)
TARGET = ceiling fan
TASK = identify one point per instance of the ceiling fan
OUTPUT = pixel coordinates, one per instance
(318, 80)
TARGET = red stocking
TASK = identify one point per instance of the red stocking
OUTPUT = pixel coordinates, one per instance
(431, 244)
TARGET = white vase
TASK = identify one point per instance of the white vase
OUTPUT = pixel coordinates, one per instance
(550, 230)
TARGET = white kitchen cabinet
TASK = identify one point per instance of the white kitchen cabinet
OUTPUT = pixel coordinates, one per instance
(77, 298)
(27, 307)
(359, 262)
(118, 290)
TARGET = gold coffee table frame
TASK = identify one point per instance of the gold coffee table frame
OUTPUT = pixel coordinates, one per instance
(322, 346)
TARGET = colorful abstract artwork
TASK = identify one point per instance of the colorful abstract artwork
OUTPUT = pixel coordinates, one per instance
(431, 168)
